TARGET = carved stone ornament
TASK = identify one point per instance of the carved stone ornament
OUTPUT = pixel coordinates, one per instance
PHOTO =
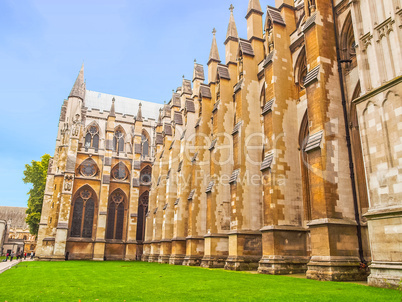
(270, 41)
(65, 134)
(385, 28)
(68, 182)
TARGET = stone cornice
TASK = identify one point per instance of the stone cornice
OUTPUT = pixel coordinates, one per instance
(378, 90)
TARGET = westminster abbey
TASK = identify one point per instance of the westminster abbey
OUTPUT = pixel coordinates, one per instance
(283, 156)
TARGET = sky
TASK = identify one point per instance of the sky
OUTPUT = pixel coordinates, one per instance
(135, 49)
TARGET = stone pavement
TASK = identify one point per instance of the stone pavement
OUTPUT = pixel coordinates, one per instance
(9, 264)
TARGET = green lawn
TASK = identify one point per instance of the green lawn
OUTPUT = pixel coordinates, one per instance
(139, 281)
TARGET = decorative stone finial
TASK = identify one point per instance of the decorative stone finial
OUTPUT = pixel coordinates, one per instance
(231, 8)
(112, 110)
(214, 31)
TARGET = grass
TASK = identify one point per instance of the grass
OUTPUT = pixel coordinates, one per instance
(142, 281)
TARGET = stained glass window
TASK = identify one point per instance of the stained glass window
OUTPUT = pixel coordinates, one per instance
(110, 221)
(88, 168)
(92, 138)
(88, 218)
(83, 215)
(77, 218)
(115, 219)
(119, 172)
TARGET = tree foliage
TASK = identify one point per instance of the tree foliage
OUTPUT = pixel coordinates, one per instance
(36, 174)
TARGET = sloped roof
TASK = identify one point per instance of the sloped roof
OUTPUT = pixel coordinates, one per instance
(245, 47)
(186, 87)
(103, 101)
(198, 72)
(275, 15)
(267, 162)
(267, 107)
(190, 105)
(205, 91)
(14, 215)
(178, 118)
(223, 72)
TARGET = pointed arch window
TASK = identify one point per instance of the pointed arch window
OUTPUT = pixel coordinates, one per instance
(120, 172)
(88, 168)
(348, 44)
(92, 138)
(116, 216)
(145, 176)
(82, 222)
(118, 140)
(301, 69)
(303, 138)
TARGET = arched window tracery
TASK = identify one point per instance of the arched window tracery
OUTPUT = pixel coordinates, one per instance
(92, 137)
(120, 172)
(142, 210)
(88, 168)
(116, 215)
(262, 97)
(145, 176)
(301, 69)
(348, 44)
(82, 222)
(118, 140)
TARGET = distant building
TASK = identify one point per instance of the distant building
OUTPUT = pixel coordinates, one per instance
(14, 231)
(3, 227)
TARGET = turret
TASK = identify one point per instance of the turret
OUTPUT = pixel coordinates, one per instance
(214, 59)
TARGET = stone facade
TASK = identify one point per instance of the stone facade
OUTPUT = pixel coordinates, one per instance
(287, 159)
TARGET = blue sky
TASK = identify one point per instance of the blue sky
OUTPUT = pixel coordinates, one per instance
(137, 49)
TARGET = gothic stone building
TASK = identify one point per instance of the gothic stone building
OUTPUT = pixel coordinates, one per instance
(286, 159)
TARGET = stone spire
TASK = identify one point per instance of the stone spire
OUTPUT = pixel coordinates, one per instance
(232, 30)
(253, 5)
(139, 114)
(112, 111)
(214, 54)
(79, 85)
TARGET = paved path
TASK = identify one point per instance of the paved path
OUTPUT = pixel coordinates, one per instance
(9, 264)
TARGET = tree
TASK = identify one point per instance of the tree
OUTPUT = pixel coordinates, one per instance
(36, 174)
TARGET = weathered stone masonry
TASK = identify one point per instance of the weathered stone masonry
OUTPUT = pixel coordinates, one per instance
(287, 159)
